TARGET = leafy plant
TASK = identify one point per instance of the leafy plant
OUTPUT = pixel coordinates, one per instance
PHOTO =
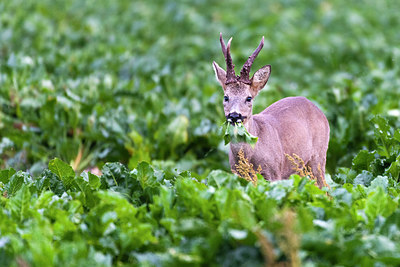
(237, 133)
(147, 216)
(384, 160)
(84, 84)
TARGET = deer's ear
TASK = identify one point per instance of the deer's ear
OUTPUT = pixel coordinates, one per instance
(220, 74)
(260, 78)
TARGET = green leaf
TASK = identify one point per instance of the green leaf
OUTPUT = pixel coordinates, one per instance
(178, 130)
(396, 135)
(43, 182)
(363, 160)
(379, 203)
(63, 170)
(280, 189)
(6, 174)
(364, 178)
(245, 214)
(394, 169)
(391, 226)
(88, 193)
(16, 181)
(380, 181)
(383, 136)
(238, 134)
(20, 204)
(222, 179)
(342, 195)
(114, 174)
(50, 179)
(94, 180)
(145, 175)
(39, 241)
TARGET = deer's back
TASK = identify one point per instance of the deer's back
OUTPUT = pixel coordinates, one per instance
(290, 111)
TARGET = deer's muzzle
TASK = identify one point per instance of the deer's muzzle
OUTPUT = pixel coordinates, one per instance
(235, 117)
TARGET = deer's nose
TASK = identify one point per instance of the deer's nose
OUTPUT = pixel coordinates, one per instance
(234, 117)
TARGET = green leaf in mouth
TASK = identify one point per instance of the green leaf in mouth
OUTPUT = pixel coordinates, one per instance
(237, 133)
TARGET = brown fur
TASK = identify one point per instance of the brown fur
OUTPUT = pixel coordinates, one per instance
(293, 125)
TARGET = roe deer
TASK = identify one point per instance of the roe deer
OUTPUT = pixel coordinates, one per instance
(290, 126)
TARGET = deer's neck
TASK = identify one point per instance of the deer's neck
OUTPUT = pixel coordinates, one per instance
(249, 125)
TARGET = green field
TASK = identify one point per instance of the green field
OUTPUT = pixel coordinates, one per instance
(127, 87)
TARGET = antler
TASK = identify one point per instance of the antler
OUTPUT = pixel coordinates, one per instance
(230, 68)
(245, 72)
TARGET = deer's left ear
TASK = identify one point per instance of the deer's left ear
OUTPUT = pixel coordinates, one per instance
(260, 78)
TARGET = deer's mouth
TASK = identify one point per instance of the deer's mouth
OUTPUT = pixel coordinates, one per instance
(234, 118)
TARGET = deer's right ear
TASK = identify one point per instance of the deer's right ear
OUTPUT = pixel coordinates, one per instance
(220, 74)
(260, 78)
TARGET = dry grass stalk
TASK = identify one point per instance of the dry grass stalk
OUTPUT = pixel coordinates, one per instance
(245, 169)
(266, 249)
(289, 239)
(21, 262)
(75, 163)
(300, 167)
(322, 180)
(305, 171)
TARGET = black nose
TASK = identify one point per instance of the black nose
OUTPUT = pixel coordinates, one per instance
(234, 117)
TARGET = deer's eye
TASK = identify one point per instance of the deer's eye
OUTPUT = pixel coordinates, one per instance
(248, 99)
(226, 98)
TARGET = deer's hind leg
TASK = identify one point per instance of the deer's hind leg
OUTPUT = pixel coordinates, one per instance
(317, 165)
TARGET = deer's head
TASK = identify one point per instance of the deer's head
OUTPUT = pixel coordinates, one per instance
(240, 90)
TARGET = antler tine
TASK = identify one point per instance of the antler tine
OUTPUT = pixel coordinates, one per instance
(245, 72)
(222, 44)
(230, 67)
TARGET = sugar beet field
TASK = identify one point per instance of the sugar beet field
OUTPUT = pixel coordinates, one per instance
(112, 145)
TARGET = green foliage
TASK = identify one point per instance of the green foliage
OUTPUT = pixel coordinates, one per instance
(237, 133)
(62, 170)
(384, 160)
(84, 83)
(90, 83)
(148, 217)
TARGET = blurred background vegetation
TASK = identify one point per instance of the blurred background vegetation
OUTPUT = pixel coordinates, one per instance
(130, 81)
